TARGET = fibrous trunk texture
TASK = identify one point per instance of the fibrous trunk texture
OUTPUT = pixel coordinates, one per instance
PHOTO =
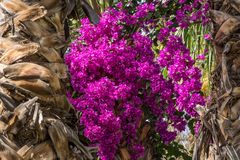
(36, 120)
(220, 135)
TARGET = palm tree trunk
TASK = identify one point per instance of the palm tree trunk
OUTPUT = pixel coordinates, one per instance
(36, 120)
(220, 135)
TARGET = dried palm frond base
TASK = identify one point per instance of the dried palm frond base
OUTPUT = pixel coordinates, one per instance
(36, 120)
(219, 137)
(34, 132)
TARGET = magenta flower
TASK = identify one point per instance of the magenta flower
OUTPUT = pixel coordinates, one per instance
(208, 36)
(197, 127)
(181, 1)
(201, 57)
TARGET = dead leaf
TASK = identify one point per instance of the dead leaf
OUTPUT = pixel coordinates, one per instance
(59, 140)
(18, 52)
(33, 71)
(125, 154)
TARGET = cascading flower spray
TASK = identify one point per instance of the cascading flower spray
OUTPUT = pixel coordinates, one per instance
(119, 82)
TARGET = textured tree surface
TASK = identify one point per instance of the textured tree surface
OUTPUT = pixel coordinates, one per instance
(36, 120)
(220, 135)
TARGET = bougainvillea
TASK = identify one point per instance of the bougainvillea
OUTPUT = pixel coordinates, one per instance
(119, 83)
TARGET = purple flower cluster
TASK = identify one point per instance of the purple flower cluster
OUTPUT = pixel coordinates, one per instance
(195, 11)
(175, 57)
(108, 71)
(119, 82)
(143, 10)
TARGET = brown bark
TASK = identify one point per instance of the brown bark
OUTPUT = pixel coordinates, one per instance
(220, 135)
(36, 120)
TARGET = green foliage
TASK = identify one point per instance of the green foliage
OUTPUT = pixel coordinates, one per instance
(171, 151)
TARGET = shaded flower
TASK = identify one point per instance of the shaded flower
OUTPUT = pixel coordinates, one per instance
(201, 57)
(208, 36)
